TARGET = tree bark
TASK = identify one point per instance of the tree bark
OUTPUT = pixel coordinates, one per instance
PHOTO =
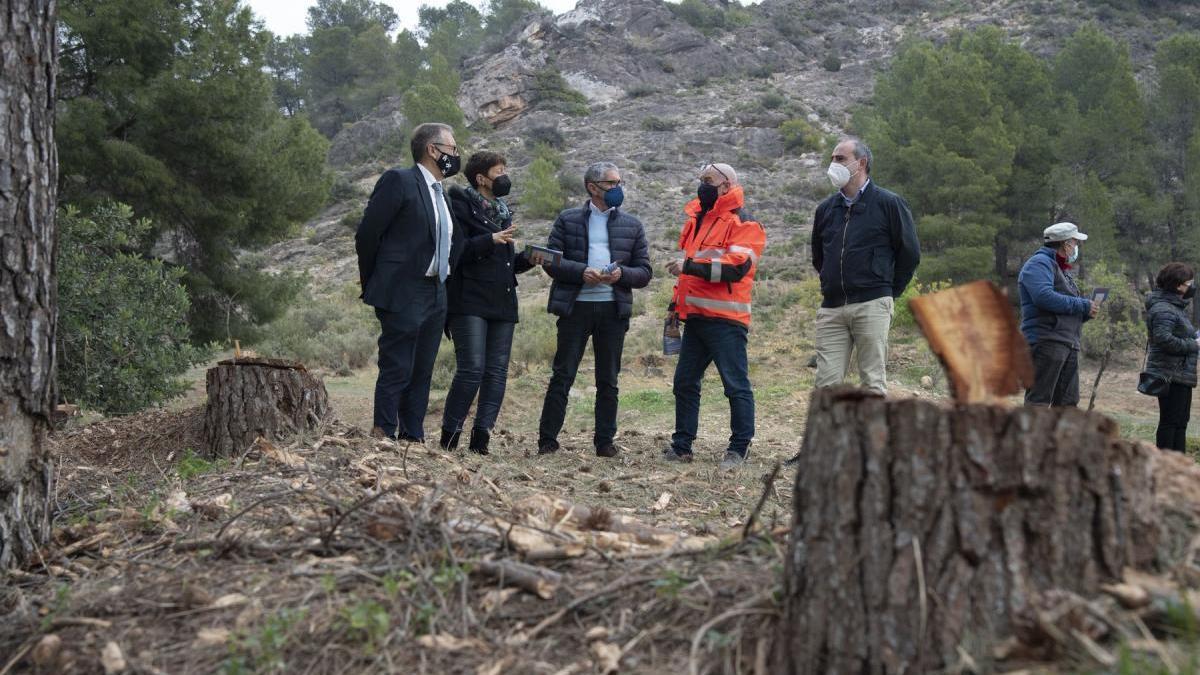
(28, 180)
(920, 527)
(248, 398)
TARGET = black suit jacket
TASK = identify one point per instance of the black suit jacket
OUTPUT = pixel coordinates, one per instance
(398, 237)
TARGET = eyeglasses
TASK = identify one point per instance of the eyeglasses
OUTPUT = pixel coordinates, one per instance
(610, 183)
(708, 180)
(453, 148)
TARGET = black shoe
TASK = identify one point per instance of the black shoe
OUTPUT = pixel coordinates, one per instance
(671, 456)
(479, 441)
(405, 438)
(449, 439)
(606, 450)
(547, 447)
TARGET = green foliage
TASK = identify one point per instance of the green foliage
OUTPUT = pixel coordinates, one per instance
(800, 136)
(557, 94)
(709, 18)
(368, 622)
(504, 15)
(336, 332)
(426, 103)
(1119, 327)
(168, 109)
(831, 62)
(545, 135)
(122, 340)
(543, 197)
(262, 651)
(772, 100)
(960, 131)
(659, 124)
(192, 465)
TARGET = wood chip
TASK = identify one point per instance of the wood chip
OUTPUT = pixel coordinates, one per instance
(211, 637)
(449, 643)
(607, 657)
(661, 505)
(112, 659)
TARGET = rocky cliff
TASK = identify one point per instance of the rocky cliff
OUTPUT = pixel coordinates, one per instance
(664, 96)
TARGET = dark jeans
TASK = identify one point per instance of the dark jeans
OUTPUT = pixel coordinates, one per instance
(1174, 410)
(598, 321)
(408, 347)
(481, 350)
(1056, 375)
(706, 342)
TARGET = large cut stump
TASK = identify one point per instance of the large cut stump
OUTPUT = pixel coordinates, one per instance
(920, 527)
(252, 397)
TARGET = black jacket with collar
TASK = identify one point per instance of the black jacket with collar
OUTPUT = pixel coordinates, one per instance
(397, 238)
(626, 245)
(484, 283)
(1171, 349)
(867, 253)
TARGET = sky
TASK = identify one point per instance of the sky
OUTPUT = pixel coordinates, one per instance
(285, 17)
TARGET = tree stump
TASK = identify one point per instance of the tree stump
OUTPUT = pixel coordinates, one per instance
(252, 397)
(920, 527)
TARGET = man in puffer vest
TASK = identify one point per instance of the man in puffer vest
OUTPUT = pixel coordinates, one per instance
(721, 246)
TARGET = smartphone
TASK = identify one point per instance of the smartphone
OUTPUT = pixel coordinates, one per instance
(1099, 295)
(609, 268)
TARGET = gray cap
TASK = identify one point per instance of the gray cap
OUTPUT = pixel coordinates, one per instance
(1062, 232)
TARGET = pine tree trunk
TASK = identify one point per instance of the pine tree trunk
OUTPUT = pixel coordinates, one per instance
(28, 178)
(995, 503)
(248, 398)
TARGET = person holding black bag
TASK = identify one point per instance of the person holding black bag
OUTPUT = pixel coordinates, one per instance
(1171, 353)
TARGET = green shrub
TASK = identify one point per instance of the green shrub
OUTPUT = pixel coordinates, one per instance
(831, 62)
(641, 90)
(545, 135)
(800, 136)
(709, 19)
(557, 94)
(772, 100)
(904, 317)
(659, 124)
(543, 196)
(122, 330)
(337, 332)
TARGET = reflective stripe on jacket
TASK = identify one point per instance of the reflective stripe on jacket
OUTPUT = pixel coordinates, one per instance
(722, 252)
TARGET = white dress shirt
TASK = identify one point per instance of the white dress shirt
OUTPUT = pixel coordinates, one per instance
(433, 197)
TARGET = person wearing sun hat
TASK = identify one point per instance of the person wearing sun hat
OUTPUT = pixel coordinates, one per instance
(1052, 315)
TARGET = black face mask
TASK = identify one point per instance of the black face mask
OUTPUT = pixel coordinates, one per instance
(1189, 293)
(449, 164)
(707, 195)
(501, 185)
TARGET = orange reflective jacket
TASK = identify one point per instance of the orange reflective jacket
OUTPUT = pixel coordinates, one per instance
(722, 253)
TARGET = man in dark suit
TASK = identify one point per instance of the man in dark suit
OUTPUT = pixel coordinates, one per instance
(406, 244)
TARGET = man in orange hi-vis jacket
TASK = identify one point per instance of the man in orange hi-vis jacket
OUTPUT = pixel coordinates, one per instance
(721, 246)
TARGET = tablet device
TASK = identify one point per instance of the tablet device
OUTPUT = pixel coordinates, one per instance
(541, 255)
(1099, 294)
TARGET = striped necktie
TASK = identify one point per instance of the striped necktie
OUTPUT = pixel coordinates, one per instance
(443, 235)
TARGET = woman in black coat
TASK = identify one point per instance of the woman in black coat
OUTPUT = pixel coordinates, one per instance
(481, 300)
(1171, 351)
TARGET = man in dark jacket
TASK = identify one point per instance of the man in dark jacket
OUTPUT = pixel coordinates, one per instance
(405, 245)
(605, 257)
(1052, 315)
(865, 249)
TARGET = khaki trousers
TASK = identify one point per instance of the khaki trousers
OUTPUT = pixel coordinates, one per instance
(860, 329)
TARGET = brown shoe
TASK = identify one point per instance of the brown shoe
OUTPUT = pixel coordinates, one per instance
(607, 450)
(377, 432)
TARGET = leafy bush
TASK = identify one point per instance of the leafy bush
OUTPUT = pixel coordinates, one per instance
(799, 135)
(122, 330)
(543, 196)
(831, 62)
(554, 90)
(772, 100)
(337, 332)
(545, 135)
(640, 90)
(659, 124)
(709, 19)
(904, 318)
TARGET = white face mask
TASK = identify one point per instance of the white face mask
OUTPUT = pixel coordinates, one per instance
(839, 175)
